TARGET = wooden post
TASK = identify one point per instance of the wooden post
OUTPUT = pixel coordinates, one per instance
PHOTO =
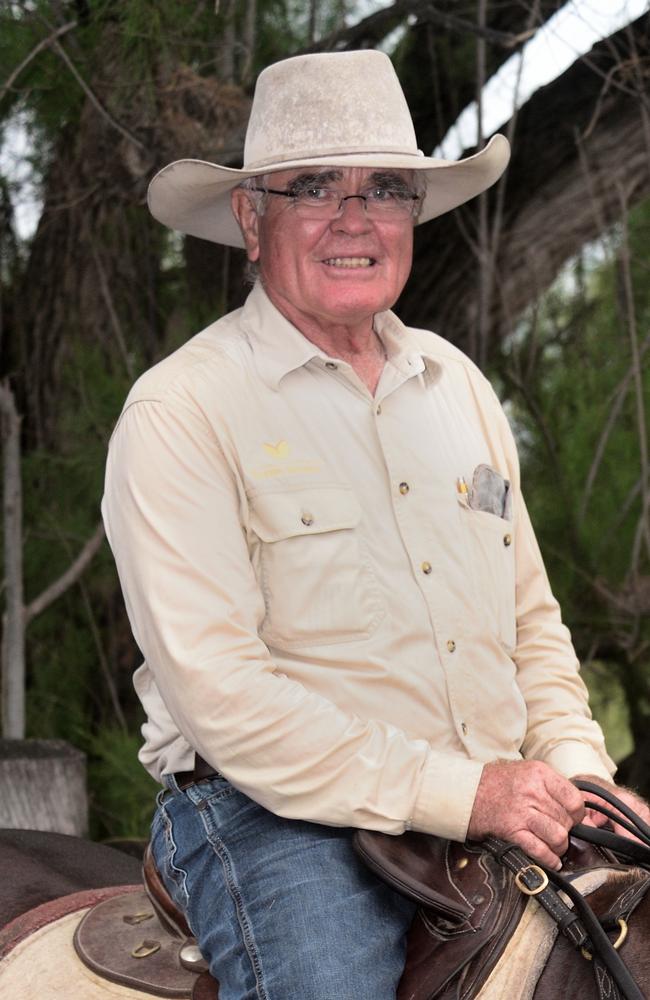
(43, 786)
(13, 625)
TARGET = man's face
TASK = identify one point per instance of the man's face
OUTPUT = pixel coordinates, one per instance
(331, 271)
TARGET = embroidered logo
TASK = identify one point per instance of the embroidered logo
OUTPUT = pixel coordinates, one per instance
(278, 450)
(283, 461)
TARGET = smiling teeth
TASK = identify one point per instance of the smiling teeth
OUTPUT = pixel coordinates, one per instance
(349, 261)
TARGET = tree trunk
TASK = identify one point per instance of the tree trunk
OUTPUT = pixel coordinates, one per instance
(43, 787)
(578, 141)
(13, 626)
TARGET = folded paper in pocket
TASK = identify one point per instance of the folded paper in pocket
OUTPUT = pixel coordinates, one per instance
(490, 492)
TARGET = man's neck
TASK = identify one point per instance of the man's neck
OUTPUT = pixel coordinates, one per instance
(355, 342)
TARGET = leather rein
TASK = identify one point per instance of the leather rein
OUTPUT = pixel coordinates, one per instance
(578, 922)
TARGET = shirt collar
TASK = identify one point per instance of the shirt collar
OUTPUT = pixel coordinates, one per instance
(407, 349)
(279, 347)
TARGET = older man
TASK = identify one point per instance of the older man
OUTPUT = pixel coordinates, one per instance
(326, 558)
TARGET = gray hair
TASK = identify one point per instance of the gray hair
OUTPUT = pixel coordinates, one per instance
(259, 199)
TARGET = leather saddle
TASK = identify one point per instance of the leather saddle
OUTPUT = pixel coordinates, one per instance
(142, 941)
(468, 908)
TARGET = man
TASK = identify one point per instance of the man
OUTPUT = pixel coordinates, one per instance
(326, 558)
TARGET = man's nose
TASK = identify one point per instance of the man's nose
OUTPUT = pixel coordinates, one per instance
(353, 217)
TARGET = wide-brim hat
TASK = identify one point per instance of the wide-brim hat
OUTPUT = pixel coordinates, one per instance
(343, 109)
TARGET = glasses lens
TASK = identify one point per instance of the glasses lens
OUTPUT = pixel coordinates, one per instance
(379, 203)
(317, 203)
(382, 202)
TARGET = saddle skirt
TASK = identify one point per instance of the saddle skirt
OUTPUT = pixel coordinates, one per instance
(469, 909)
(40, 951)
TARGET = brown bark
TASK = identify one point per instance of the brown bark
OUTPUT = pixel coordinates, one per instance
(578, 140)
(13, 630)
(92, 276)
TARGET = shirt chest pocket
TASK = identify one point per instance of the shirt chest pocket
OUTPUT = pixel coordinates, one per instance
(314, 573)
(492, 571)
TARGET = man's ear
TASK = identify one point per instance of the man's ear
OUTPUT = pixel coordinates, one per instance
(244, 211)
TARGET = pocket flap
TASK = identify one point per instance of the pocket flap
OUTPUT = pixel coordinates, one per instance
(275, 516)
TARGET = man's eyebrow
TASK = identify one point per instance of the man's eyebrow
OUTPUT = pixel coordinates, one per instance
(302, 181)
(391, 179)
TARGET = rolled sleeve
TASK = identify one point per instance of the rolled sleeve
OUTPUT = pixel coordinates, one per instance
(446, 796)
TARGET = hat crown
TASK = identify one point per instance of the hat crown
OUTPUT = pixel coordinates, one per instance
(328, 104)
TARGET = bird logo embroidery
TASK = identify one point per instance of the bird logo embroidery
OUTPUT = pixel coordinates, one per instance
(278, 450)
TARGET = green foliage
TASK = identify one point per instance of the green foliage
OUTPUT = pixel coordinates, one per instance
(560, 371)
(609, 707)
(122, 793)
(580, 417)
(579, 341)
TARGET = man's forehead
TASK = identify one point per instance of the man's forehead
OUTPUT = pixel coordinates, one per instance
(341, 174)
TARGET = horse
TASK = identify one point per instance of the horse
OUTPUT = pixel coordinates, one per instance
(76, 922)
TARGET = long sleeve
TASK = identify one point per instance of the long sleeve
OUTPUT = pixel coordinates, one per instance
(173, 517)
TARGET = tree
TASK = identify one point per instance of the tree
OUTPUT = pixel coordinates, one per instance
(576, 376)
(115, 89)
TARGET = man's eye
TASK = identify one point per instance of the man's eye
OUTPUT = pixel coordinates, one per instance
(315, 194)
(386, 194)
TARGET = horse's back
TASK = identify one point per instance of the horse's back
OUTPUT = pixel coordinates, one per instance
(39, 866)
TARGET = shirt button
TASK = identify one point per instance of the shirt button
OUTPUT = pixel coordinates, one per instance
(451, 645)
(507, 540)
(307, 520)
(426, 567)
(378, 410)
(404, 488)
(331, 365)
(463, 728)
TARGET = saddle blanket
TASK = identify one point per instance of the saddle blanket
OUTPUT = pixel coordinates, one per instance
(516, 974)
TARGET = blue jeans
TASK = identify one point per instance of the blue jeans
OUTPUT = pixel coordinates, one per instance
(281, 909)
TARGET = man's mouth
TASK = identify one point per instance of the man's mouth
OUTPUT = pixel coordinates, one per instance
(350, 261)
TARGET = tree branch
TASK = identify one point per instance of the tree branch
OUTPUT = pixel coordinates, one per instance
(614, 407)
(643, 532)
(71, 575)
(112, 312)
(43, 44)
(92, 97)
(376, 26)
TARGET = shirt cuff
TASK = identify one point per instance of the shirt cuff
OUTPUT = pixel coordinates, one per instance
(446, 797)
(572, 758)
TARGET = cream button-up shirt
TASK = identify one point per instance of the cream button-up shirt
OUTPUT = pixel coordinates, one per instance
(323, 616)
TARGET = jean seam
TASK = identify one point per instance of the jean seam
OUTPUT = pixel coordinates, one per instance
(234, 891)
(173, 870)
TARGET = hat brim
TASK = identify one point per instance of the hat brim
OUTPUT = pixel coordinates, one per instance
(193, 196)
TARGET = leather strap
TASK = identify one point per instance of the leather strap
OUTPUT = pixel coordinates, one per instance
(545, 884)
(535, 880)
(202, 771)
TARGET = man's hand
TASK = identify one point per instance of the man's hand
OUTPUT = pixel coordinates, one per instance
(626, 795)
(528, 803)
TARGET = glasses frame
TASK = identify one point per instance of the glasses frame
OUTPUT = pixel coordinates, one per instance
(414, 200)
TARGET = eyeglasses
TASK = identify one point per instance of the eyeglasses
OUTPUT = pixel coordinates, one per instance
(327, 203)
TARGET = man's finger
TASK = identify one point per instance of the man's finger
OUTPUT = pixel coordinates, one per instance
(537, 849)
(568, 796)
(551, 833)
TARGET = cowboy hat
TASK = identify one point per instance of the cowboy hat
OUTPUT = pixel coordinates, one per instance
(344, 109)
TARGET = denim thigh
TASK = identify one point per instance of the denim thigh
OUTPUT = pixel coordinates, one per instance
(282, 909)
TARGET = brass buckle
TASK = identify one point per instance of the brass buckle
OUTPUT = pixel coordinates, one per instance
(622, 934)
(521, 885)
(145, 949)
